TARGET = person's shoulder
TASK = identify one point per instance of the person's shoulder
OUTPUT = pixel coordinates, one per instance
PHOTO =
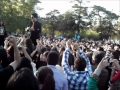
(9, 68)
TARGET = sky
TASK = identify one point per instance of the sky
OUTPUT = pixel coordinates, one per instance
(65, 5)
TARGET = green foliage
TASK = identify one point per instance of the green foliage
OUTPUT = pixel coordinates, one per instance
(98, 23)
(58, 33)
(103, 20)
(55, 22)
(46, 31)
(51, 21)
(16, 13)
(80, 14)
(90, 34)
(66, 22)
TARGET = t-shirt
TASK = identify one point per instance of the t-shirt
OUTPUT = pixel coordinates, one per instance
(37, 30)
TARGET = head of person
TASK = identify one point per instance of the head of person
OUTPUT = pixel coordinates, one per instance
(97, 57)
(74, 47)
(29, 45)
(62, 49)
(23, 79)
(52, 58)
(28, 42)
(54, 49)
(43, 49)
(116, 54)
(34, 17)
(45, 78)
(100, 49)
(79, 63)
(25, 63)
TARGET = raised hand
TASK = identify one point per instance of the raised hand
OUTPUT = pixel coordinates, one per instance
(104, 63)
(12, 41)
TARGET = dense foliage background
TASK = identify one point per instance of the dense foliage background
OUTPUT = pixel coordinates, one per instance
(91, 22)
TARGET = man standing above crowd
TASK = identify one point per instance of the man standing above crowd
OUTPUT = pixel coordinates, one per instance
(34, 28)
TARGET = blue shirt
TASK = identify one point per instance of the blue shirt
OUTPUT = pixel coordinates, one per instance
(78, 80)
(60, 80)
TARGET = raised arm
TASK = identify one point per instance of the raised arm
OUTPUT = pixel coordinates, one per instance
(65, 63)
(29, 58)
(93, 81)
(12, 41)
(21, 41)
(38, 48)
(26, 53)
(88, 65)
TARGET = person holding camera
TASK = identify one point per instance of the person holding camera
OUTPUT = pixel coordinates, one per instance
(5, 73)
(101, 79)
(34, 28)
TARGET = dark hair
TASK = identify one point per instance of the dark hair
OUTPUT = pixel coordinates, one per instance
(98, 57)
(25, 63)
(45, 77)
(3, 57)
(29, 45)
(116, 54)
(101, 49)
(35, 15)
(43, 49)
(52, 58)
(80, 64)
(11, 54)
(48, 48)
(62, 49)
(71, 59)
(22, 80)
(54, 49)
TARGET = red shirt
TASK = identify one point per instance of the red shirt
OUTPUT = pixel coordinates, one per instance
(116, 76)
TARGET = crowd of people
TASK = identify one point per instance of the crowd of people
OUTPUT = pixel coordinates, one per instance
(55, 64)
(37, 62)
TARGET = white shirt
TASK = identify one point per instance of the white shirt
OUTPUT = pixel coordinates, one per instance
(60, 80)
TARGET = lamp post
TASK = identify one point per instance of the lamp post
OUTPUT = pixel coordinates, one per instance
(77, 25)
(77, 34)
